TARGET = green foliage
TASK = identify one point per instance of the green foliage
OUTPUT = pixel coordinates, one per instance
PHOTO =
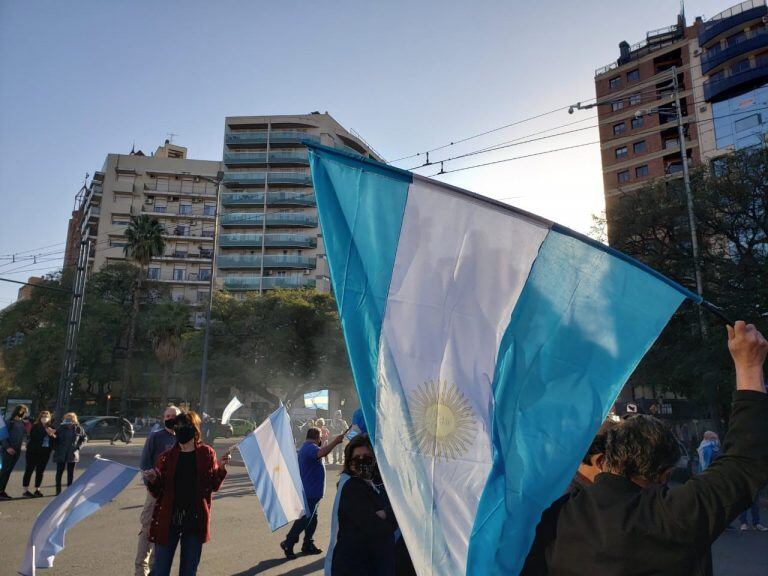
(144, 239)
(730, 210)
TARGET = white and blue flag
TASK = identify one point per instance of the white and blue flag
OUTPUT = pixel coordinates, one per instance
(316, 400)
(101, 482)
(230, 409)
(270, 457)
(487, 346)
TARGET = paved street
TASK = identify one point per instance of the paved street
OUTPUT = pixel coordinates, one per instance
(241, 543)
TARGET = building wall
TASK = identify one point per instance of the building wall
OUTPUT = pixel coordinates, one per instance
(268, 211)
(173, 191)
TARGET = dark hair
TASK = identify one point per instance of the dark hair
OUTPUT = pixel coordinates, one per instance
(598, 442)
(190, 419)
(349, 449)
(19, 411)
(641, 446)
(313, 433)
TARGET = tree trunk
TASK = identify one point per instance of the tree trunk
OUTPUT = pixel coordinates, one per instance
(129, 346)
(166, 385)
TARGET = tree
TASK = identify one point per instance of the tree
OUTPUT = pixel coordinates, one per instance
(144, 241)
(652, 225)
(165, 326)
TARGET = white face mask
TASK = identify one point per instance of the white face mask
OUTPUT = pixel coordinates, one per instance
(45, 420)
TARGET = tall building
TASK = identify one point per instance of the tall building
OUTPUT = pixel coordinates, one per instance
(179, 192)
(269, 235)
(722, 72)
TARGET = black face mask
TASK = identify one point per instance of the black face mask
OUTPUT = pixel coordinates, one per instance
(365, 467)
(170, 423)
(184, 434)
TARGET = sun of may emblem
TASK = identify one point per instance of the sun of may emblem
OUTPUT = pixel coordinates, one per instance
(443, 420)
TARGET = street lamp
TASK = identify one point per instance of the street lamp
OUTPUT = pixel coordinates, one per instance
(204, 370)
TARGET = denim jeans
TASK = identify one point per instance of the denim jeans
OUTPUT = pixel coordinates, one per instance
(306, 524)
(754, 510)
(191, 547)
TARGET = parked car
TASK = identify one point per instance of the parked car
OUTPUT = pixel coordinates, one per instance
(241, 426)
(107, 428)
(219, 430)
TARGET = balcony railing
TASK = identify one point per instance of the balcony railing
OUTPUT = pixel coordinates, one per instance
(192, 277)
(241, 283)
(275, 137)
(259, 178)
(752, 41)
(270, 240)
(235, 158)
(728, 19)
(273, 198)
(273, 219)
(718, 88)
(270, 261)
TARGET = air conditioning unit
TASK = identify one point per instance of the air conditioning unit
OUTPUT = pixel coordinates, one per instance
(196, 200)
(173, 199)
(307, 272)
(149, 201)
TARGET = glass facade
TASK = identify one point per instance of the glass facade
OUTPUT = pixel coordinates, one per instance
(741, 121)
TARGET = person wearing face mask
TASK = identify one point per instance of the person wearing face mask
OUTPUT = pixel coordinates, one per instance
(41, 437)
(157, 442)
(365, 531)
(182, 481)
(69, 438)
(312, 472)
(12, 446)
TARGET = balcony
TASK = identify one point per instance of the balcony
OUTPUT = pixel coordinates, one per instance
(752, 42)
(273, 199)
(716, 89)
(273, 219)
(270, 261)
(270, 240)
(202, 256)
(275, 137)
(244, 283)
(254, 158)
(181, 233)
(731, 18)
(197, 278)
(260, 178)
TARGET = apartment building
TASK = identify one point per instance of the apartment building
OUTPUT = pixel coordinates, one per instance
(179, 192)
(269, 235)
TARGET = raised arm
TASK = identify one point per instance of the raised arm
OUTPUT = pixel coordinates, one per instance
(706, 504)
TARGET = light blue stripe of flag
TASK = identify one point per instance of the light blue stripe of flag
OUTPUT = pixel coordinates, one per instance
(3, 429)
(584, 321)
(101, 482)
(361, 212)
(273, 467)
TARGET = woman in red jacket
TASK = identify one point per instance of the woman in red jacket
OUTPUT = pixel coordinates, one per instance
(183, 480)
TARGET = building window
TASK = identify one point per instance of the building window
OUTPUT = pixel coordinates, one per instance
(202, 297)
(633, 75)
(623, 176)
(621, 152)
(153, 273)
(637, 122)
(614, 83)
(634, 99)
(207, 234)
(178, 274)
(185, 209)
(204, 274)
(181, 230)
(160, 209)
(740, 66)
(641, 171)
(639, 147)
(617, 105)
(619, 128)
(746, 123)
(209, 210)
(120, 220)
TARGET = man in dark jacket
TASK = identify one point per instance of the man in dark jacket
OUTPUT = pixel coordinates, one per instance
(630, 523)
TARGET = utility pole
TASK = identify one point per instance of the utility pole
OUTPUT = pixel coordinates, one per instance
(66, 380)
(689, 202)
(204, 371)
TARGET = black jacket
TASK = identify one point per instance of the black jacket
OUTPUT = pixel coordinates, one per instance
(617, 528)
(36, 438)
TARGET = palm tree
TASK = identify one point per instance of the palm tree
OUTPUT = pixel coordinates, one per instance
(165, 328)
(145, 241)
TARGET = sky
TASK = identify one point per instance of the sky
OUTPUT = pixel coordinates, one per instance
(82, 79)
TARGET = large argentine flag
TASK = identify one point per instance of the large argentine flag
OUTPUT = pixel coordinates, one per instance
(270, 457)
(487, 346)
(99, 484)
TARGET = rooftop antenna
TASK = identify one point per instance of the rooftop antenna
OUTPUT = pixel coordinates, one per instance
(170, 137)
(682, 12)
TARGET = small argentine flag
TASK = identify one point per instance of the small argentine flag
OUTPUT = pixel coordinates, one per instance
(487, 346)
(102, 481)
(273, 467)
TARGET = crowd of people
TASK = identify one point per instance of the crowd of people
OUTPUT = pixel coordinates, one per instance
(619, 516)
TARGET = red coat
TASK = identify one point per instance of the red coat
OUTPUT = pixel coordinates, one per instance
(209, 479)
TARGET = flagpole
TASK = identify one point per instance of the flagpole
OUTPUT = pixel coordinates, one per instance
(34, 560)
